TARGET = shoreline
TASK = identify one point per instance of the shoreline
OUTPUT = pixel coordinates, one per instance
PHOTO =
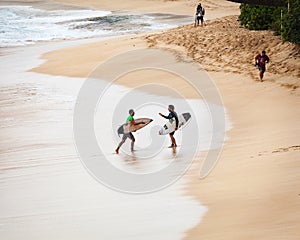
(257, 177)
(254, 147)
(42, 172)
(91, 24)
(215, 189)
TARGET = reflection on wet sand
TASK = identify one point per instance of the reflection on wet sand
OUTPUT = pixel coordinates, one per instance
(46, 192)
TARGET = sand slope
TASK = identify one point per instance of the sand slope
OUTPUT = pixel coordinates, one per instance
(223, 45)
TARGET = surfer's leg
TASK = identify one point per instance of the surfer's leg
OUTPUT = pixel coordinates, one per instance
(132, 142)
(121, 143)
(132, 145)
(261, 73)
(173, 141)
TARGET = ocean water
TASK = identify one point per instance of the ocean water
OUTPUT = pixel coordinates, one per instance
(23, 25)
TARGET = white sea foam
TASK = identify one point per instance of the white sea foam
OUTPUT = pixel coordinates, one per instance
(23, 25)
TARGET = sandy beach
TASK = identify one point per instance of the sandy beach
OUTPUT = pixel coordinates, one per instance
(253, 191)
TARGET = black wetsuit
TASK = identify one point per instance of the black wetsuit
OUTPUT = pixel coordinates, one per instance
(199, 8)
(172, 115)
(199, 13)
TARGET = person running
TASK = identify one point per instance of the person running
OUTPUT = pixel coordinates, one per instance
(130, 119)
(200, 12)
(260, 62)
(172, 115)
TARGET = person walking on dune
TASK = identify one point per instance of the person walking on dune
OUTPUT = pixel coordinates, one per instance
(172, 115)
(200, 12)
(260, 62)
(130, 119)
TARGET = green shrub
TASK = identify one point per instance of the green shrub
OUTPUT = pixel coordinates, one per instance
(256, 17)
(260, 17)
(291, 23)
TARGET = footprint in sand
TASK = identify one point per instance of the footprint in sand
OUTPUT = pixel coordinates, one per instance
(292, 148)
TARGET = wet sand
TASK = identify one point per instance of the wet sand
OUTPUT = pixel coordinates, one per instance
(47, 192)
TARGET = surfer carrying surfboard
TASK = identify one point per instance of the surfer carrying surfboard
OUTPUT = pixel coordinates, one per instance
(129, 135)
(172, 115)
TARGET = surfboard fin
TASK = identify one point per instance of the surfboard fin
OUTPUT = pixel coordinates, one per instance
(186, 116)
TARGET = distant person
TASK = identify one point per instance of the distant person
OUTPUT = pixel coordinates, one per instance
(200, 12)
(130, 119)
(260, 62)
(172, 115)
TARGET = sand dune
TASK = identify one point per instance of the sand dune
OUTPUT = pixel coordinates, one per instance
(223, 45)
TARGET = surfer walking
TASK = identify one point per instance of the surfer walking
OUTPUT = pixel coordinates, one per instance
(172, 115)
(130, 119)
(200, 12)
(260, 62)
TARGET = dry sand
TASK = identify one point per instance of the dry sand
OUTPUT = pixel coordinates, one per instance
(224, 46)
(253, 193)
(215, 9)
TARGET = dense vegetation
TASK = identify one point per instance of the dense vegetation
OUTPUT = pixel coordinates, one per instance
(282, 20)
(263, 2)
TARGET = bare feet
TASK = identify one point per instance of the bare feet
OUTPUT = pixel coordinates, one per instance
(117, 151)
(173, 146)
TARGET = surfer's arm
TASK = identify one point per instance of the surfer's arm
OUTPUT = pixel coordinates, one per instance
(170, 116)
(267, 60)
(177, 121)
(255, 61)
(166, 117)
(135, 123)
(131, 122)
(138, 123)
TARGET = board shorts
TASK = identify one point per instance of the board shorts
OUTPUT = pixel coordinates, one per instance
(127, 135)
(200, 18)
(260, 68)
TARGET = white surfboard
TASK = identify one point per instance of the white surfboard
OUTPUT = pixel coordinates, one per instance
(171, 125)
